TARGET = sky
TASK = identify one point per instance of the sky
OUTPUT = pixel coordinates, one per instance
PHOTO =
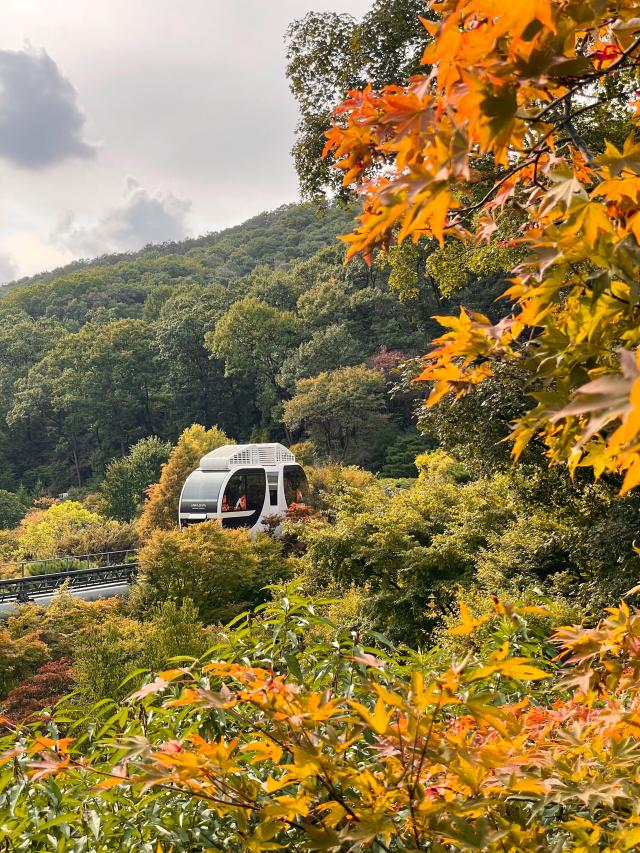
(124, 122)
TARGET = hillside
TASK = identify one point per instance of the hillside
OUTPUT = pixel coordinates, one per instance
(99, 354)
(291, 232)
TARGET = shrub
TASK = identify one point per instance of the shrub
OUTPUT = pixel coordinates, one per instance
(49, 683)
(104, 535)
(222, 571)
(106, 654)
(41, 530)
(299, 736)
(161, 509)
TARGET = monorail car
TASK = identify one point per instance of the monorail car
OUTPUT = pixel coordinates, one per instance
(241, 484)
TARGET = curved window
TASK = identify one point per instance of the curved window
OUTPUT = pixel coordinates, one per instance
(243, 499)
(296, 487)
(200, 492)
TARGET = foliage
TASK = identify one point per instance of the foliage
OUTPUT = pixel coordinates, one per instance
(19, 656)
(44, 689)
(161, 507)
(285, 738)
(253, 338)
(512, 88)
(410, 547)
(12, 509)
(401, 454)
(41, 530)
(338, 411)
(119, 648)
(126, 480)
(222, 571)
(329, 53)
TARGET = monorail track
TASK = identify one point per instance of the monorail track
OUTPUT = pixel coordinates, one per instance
(110, 574)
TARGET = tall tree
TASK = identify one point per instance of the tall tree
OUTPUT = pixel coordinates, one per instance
(339, 410)
(328, 54)
(514, 85)
(254, 340)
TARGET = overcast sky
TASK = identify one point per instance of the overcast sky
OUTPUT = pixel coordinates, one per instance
(124, 122)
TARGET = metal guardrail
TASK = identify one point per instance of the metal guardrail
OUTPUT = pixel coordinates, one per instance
(22, 589)
(76, 561)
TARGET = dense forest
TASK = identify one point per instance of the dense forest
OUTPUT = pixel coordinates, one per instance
(437, 649)
(213, 331)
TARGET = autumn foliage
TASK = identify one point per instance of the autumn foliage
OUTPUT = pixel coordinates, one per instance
(283, 738)
(494, 125)
(44, 689)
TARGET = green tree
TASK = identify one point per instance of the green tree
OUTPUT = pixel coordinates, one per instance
(254, 339)
(95, 392)
(12, 509)
(327, 349)
(126, 480)
(339, 411)
(328, 54)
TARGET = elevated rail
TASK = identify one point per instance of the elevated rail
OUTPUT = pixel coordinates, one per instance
(87, 571)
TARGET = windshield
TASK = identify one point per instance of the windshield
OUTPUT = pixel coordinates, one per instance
(202, 486)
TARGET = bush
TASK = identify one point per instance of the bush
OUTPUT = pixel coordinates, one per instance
(222, 571)
(107, 653)
(300, 736)
(41, 530)
(44, 689)
(69, 529)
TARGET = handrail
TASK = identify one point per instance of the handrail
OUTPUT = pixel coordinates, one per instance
(18, 589)
(123, 555)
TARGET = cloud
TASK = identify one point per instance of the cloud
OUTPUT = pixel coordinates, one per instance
(143, 218)
(8, 268)
(41, 123)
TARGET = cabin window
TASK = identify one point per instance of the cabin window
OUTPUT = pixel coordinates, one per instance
(243, 498)
(272, 479)
(296, 488)
(200, 493)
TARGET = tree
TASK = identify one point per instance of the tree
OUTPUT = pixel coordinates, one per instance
(161, 508)
(126, 480)
(195, 383)
(328, 54)
(327, 349)
(254, 339)
(95, 392)
(12, 509)
(339, 410)
(515, 86)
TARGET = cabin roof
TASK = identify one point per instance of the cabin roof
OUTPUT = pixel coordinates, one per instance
(233, 455)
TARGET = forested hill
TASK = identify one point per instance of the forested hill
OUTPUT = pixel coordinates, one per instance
(249, 329)
(291, 232)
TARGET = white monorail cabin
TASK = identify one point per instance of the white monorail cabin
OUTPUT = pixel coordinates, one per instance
(241, 484)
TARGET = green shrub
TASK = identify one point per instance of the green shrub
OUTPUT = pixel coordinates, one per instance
(222, 571)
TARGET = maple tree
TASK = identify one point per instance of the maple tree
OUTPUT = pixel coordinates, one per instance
(283, 739)
(495, 126)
